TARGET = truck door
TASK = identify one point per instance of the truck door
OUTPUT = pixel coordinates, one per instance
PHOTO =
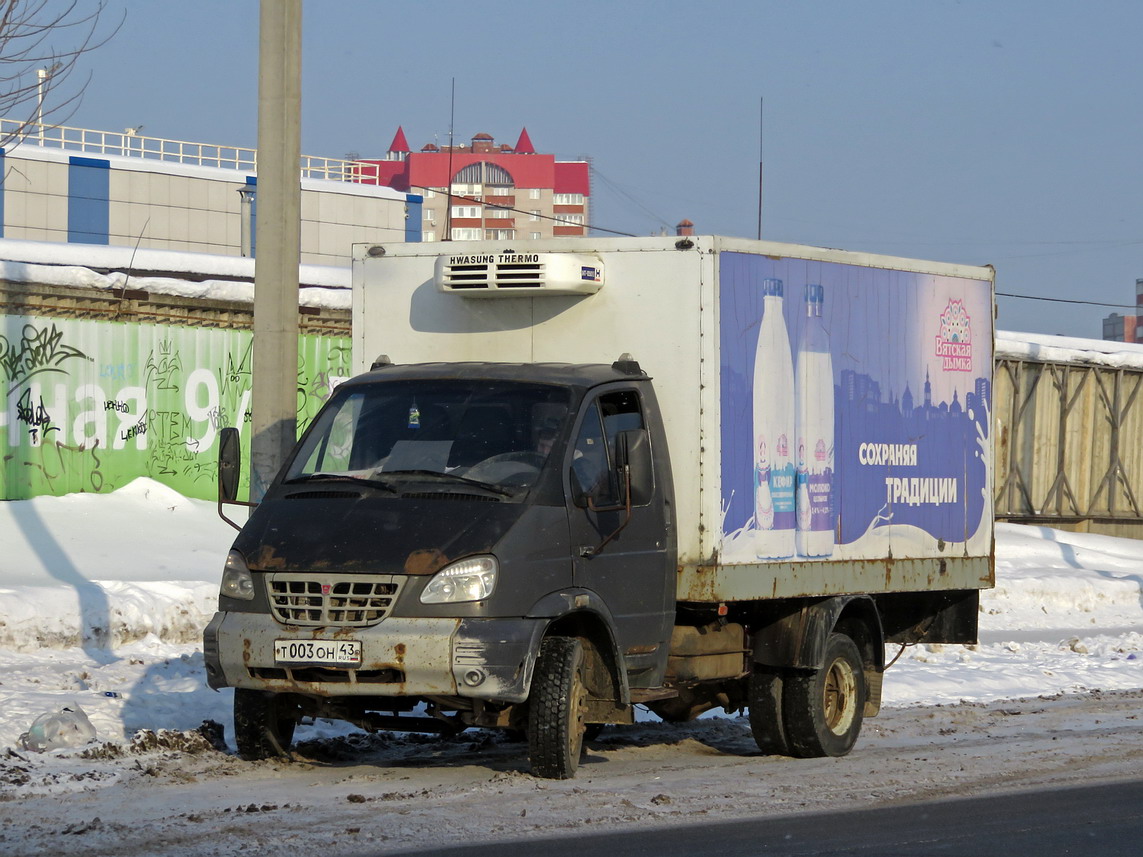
(629, 573)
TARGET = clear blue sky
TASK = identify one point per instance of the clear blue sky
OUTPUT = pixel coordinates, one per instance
(1008, 133)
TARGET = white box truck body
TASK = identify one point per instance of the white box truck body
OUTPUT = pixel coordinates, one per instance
(910, 344)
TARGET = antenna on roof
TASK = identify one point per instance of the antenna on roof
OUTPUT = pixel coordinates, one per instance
(448, 190)
(760, 104)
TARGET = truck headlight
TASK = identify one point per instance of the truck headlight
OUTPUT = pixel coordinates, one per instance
(471, 579)
(237, 581)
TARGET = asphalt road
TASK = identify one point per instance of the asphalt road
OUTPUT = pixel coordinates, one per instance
(1104, 820)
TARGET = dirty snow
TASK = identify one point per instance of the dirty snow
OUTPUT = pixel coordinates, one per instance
(102, 602)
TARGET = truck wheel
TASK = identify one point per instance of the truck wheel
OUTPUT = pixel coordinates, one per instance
(556, 709)
(765, 701)
(263, 724)
(823, 708)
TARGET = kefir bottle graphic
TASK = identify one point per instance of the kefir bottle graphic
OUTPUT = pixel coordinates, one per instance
(814, 377)
(773, 431)
(763, 504)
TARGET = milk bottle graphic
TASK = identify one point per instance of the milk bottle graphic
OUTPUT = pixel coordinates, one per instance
(814, 377)
(773, 431)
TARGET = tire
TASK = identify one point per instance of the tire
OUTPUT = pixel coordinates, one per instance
(556, 709)
(765, 710)
(263, 724)
(822, 709)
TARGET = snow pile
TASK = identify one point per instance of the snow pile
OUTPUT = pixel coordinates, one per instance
(1070, 582)
(69, 265)
(1066, 615)
(1068, 349)
(103, 599)
(97, 570)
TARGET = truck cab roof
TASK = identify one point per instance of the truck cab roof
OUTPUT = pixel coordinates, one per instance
(581, 375)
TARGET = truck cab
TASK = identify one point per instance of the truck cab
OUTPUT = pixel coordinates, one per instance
(444, 540)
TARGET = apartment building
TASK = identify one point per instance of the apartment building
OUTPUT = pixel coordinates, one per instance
(483, 190)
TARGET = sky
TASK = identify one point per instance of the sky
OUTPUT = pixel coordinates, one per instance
(971, 132)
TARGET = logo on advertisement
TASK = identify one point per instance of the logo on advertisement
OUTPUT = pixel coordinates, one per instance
(954, 341)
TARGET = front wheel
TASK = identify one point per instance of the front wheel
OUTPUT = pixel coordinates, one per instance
(823, 708)
(556, 709)
(263, 724)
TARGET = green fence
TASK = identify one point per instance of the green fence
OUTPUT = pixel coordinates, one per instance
(91, 405)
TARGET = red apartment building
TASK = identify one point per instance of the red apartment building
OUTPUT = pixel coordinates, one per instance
(499, 192)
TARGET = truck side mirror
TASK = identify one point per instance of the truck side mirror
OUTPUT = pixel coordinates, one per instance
(229, 464)
(633, 450)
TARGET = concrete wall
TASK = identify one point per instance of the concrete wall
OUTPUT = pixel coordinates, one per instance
(54, 195)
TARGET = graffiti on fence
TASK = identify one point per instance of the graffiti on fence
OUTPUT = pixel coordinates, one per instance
(91, 405)
(38, 350)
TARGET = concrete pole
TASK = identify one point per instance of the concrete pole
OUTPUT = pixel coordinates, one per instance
(278, 236)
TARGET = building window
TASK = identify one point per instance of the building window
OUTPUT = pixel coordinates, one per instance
(466, 234)
(429, 214)
(534, 235)
(428, 236)
(567, 199)
(497, 212)
(535, 215)
(466, 211)
(499, 234)
(533, 193)
(484, 173)
(570, 219)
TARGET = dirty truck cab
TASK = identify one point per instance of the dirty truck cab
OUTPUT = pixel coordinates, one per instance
(471, 537)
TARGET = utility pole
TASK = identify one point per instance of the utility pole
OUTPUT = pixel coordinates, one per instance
(278, 238)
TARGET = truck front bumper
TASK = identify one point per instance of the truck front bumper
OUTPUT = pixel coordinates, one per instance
(490, 659)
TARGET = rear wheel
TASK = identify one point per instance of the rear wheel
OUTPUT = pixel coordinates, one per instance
(823, 708)
(766, 685)
(556, 709)
(263, 723)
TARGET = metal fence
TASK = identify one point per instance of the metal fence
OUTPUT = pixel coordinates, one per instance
(1069, 442)
(128, 143)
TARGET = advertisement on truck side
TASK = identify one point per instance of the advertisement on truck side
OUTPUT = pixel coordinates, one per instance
(856, 408)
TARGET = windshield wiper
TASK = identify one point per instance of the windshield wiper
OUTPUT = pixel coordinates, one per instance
(452, 477)
(342, 477)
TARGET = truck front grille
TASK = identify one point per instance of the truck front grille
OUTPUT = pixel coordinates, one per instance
(346, 600)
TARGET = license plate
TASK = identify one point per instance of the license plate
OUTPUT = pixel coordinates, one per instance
(339, 653)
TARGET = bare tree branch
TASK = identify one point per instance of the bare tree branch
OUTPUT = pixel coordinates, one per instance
(41, 45)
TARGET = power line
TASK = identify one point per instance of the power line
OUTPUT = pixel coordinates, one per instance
(1064, 300)
(617, 189)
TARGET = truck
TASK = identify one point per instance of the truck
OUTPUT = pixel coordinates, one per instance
(577, 477)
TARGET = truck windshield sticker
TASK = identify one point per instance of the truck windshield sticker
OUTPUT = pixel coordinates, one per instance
(882, 380)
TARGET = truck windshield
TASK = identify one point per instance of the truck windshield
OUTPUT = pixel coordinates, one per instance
(496, 434)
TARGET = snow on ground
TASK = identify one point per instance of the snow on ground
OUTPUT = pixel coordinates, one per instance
(103, 599)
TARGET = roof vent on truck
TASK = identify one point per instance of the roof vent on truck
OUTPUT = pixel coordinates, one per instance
(510, 274)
